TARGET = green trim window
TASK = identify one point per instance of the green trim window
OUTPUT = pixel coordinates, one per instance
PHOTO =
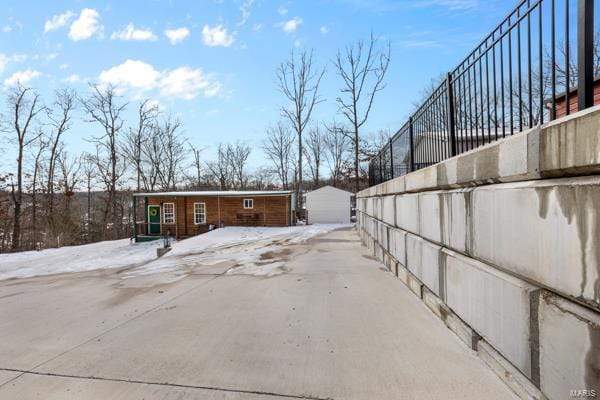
(248, 204)
(199, 213)
(168, 213)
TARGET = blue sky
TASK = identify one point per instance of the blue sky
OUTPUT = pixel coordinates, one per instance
(213, 62)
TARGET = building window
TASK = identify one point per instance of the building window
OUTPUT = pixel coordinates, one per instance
(248, 204)
(168, 213)
(199, 213)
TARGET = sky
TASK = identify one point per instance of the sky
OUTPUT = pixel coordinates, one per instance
(212, 63)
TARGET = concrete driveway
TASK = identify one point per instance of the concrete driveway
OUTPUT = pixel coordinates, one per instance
(334, 325)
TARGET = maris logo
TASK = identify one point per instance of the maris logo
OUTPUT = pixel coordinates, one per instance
(583, 393)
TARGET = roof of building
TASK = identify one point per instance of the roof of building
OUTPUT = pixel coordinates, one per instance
(328, 187)
(218, 193)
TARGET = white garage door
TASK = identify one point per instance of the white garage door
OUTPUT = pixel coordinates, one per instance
(328, 207)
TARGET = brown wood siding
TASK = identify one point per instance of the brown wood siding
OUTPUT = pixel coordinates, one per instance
(269, 211)
(561, 101)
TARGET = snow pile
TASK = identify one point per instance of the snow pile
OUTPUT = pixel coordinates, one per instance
(242, 248)
(107, 254)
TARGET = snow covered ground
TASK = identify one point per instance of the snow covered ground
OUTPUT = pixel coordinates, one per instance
(242, 248)
(87, 257)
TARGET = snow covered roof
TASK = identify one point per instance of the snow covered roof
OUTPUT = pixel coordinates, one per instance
(222, 193)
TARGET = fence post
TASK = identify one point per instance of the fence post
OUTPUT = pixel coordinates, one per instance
(585, 54)
(391, 159)
(451, 124)
(411, 144)
(380, 167)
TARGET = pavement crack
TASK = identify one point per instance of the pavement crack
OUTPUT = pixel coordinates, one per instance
(167, 384)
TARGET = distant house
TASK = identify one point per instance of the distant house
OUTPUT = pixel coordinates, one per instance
(183, 214)
(328, 205)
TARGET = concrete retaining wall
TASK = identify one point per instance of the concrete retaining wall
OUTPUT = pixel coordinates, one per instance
(503, 244)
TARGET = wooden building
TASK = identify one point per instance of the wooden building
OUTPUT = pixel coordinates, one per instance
(184, 214)
(561, 100)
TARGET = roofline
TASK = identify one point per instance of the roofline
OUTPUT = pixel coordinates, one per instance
(210, 194)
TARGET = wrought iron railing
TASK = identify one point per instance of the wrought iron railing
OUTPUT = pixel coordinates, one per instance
(523, 73)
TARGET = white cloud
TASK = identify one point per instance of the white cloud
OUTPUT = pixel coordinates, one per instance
(63, 66)
(140, 77)
(217, 36)
(257, 27)
(187, 83)
(282, 10)
(291, 25)
(51, 56)
(130, 32)
(245, 10)
(22, 77)
(132, 74)
(58, 21)
(454, 5)
(86, 25)
(3, 62)
(324, 30)
(177, 35)
(73, 79)
(7, 28)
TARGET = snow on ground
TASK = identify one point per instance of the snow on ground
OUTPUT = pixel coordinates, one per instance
(242, 248)
(87, 257)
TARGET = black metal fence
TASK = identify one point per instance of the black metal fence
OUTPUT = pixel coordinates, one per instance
(538, 64)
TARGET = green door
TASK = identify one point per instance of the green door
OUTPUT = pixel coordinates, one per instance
(154, 220)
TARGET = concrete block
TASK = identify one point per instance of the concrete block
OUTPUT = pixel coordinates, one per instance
(547, 231)
(571, 145)
(447, 173)
(430, 220)
(460, 329)
(389, 210)
(493, 303)
(511, 376)
(397, 242)
(369, 206)
(454, 212)
(443, 218)
(407, 212)
(396, 185)
(569, 347)
(390, 263)
(382, 235)
(423, 260)
(425, 178)
(505, 160)
(403, 274)
(434, 303)
(378, 251)
(415, 285)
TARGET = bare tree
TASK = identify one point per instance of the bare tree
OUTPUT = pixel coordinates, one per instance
(299, 82)
(39, 149)
(362, 69)
(104, 107)
(278, 149)
(336, 146)
(238, 154)
(172, 152)
(60, 122)
(220, 169)
(313, 152)
(197, 165)
(24, 105)
(89, 173)
(147, 115)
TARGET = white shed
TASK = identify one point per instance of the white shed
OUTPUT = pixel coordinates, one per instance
(328, 205)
